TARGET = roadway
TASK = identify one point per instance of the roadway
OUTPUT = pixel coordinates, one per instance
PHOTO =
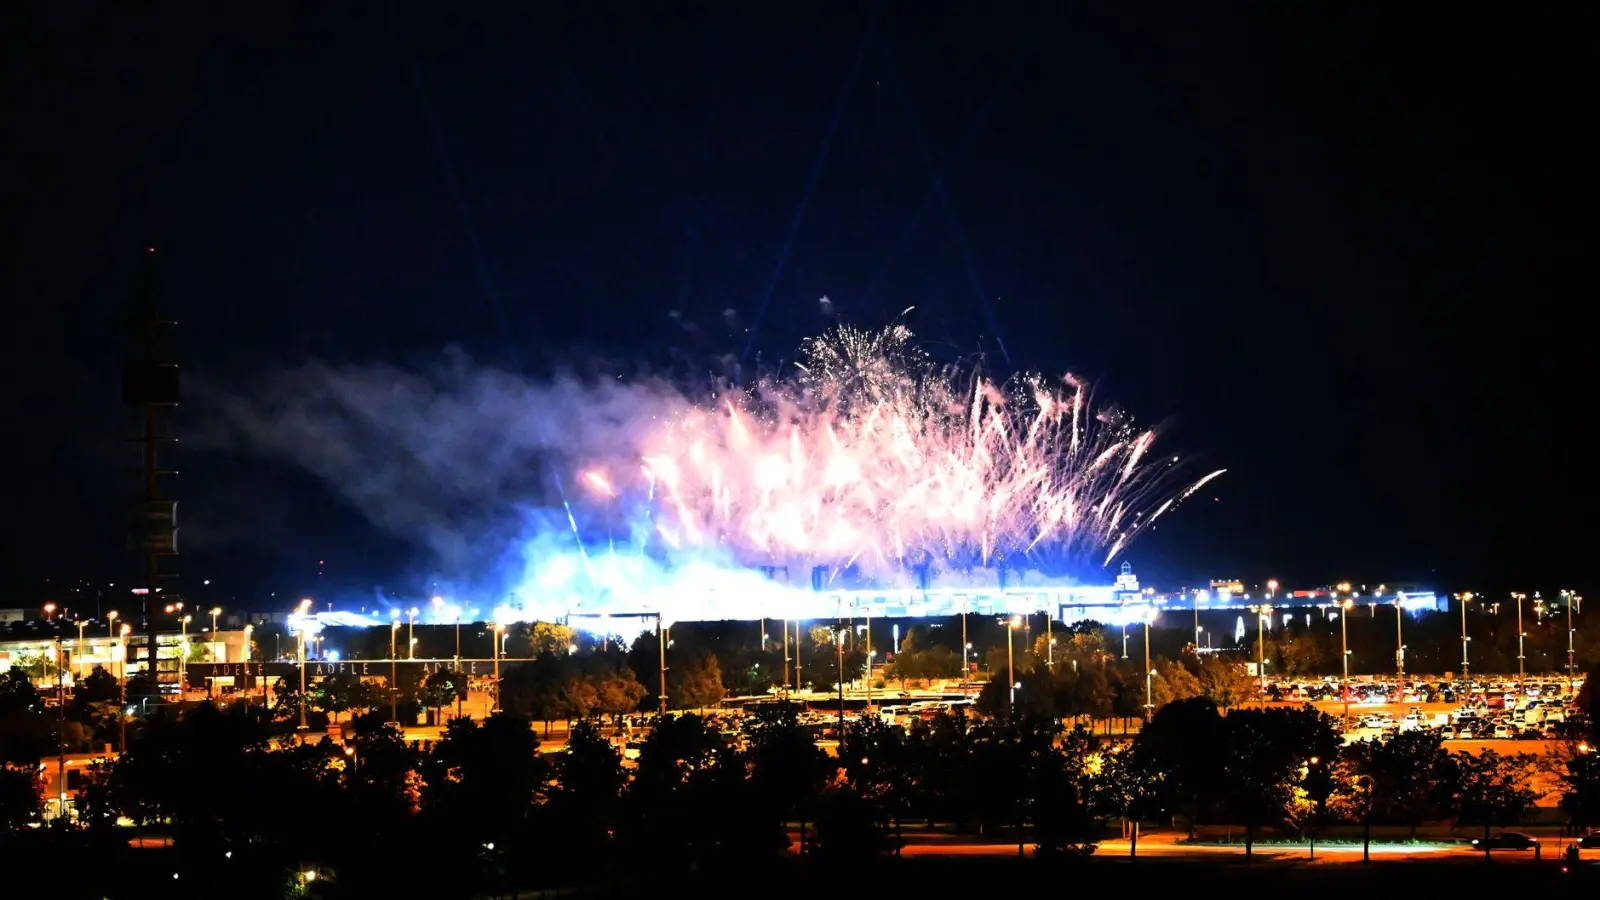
(1172, 845)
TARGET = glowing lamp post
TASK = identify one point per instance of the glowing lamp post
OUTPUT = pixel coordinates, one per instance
(411, 632)
(1011, 674)
(1519, 597)
(122, 687)
(394, 682)
(1465, 664)
(1344, 653)
(498, 630)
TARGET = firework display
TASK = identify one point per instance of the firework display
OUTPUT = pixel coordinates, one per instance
(868, 457)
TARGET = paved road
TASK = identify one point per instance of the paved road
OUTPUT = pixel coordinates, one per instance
(1169, 846)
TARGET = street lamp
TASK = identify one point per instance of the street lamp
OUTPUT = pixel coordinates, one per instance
(411, 631)
(217, 611)
(1263, 612)
(122, 687)
(1399, 643)
(1519, 597)
(1272, 588)
(1465, 598)
(966, 648)
(1149, 702)
(300, 651)
(245, 653)
(183, 655)
(77, 650)
(1344, 654)
(394, 683)
(1567, 596)
(455, 615)
(49, 611)
(1011, 674)
(498, 628)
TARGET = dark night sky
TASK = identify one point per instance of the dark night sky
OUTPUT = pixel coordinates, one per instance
(1336, 249)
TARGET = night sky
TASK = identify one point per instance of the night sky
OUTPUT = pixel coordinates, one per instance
(1335, 251)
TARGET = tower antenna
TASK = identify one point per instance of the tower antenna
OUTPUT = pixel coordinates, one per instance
(150, 387)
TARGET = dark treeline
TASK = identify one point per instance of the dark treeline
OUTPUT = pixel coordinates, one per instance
(481, 810)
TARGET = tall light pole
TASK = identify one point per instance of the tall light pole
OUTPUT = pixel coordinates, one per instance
(1262, 611)
(122, 687)
(1011, 673)
(1050, 643)
(1344, 653)
(498, 630)
(1149, 673)
(1399, 643)
(61, 734)
(394, 673)
(1567, 596)
(1197, 595)
(786, 656)
(1272, 588)
(246, 654)
(797, 643)
(1519, 597)
(869, 661)
(411, 632)
(838, 644)
(183, 656)
(661, 646)
(966, 647)
(300, 652)
(77, 650)
(1466, 664)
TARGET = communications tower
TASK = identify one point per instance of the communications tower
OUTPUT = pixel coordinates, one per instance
(150, 387)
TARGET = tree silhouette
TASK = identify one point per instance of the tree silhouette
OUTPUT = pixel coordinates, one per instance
(787, 768)
(1185, 741)
(695, 683)
(584, 802)
(1492, 790)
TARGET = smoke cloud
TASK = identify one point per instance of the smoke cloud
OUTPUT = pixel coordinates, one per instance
(463, 461)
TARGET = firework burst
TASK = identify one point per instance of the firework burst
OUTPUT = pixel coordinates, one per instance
(869, 455)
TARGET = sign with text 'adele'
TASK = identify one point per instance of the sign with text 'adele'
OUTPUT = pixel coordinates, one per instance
(248, 672)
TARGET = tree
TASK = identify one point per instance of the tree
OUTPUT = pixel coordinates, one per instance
(1227, 684)
(1581, 800)
(616, 691)
(695, 683)
(787, 768)
(1268, 753)
(26, 733)
(1492, 791)
(21, 796)
(584, 800)
(1185, 742)
(880, 762)
(538, 689)
(1171, 683)
(665, 817)
(442, 688)
(485, 778)
(1129, 788)
(341, 692)
(1064, 800)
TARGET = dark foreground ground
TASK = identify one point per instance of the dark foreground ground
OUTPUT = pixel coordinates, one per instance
(814, 879)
